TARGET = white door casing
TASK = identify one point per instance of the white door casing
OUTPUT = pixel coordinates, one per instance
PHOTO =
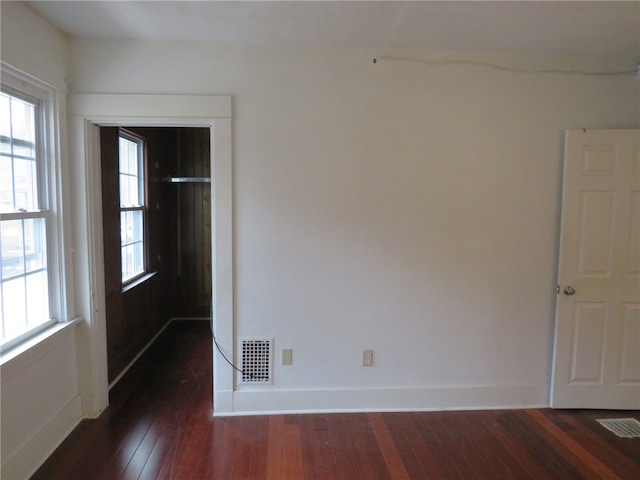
(86, 112)
(597, 338)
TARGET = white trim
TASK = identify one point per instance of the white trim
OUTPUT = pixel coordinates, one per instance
(267, 402)
(13, 360)
(155, 108)
(87, 112)
(22, 81)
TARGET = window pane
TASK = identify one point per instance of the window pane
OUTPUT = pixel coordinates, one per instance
(18, 164)
(24, 178)
(35, 244)
(132, 227)
(137, 222)
(127, 263)
(129, 194)
(12, 239)
(138, 257)
(25, 296)
(133, 158)
(125, 237)
(134, 194)
(124, 155)
(23, 124)
(130, 172)
(38, 305)
(5, 124)
(124, 191)
(14, 313)
(128, 156)
(132, 241)
(6, 185)
(24, 148)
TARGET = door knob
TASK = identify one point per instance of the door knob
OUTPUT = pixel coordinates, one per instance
(568, 290)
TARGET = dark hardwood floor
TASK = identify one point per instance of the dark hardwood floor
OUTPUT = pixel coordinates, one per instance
(159, 426)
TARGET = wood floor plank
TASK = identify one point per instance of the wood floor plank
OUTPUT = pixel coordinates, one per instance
(538, 447)
(487, 459)
(499, 448)
(441, 454)
(159, 426)
(284, 453)
(388, 447)
(610, 455)
(343, 441)
(324, 462)
(370, 459)
(258, 426)
(601, 470)
(416, 455)
(520, 452)
(307, 445)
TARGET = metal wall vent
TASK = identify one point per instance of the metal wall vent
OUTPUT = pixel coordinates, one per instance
(622, 427)
(256, 360)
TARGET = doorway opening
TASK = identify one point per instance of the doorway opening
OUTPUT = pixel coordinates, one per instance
(87, 113)
(171, 181)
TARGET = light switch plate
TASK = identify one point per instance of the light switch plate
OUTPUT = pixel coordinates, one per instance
(287, 356)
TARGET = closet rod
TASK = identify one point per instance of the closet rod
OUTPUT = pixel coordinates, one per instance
(187, 179)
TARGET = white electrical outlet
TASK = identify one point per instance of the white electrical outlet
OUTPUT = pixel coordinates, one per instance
(367, 358)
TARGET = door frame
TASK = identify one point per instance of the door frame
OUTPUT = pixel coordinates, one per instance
(88, 112)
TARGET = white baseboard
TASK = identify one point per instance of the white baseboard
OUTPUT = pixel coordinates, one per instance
(38, 448)
(271, 401)
(222, 402)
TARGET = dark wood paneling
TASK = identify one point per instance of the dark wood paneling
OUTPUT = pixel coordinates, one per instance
(193, 228)
(159, 425)
(134, 316)
(109, 149)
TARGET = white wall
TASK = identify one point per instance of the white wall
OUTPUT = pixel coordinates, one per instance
(406, 208)
(39, 393)
(40, 404)
(31, 43)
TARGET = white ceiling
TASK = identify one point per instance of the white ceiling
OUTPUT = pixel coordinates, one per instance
(584, 28)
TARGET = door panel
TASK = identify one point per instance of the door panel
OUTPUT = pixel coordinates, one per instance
(596, 217)
(630, 365)
(587, 343)
(597, 338)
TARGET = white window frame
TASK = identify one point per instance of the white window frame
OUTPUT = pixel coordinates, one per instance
(141, 206)
(50, 174)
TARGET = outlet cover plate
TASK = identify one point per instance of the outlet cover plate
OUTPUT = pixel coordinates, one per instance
(367, 358)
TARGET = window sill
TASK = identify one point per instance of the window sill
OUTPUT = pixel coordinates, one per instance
(34, 346)
(134, 283)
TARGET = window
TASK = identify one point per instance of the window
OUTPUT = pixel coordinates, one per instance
(24, 218)
(132, 206)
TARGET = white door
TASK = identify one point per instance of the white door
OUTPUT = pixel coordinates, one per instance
(597, 338)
